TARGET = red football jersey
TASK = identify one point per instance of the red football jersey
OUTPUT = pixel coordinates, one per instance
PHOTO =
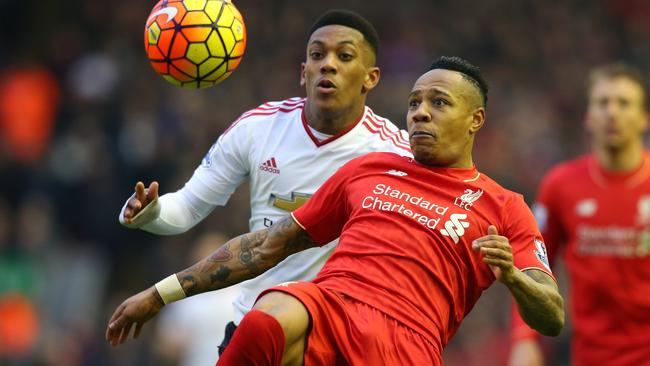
(602, 222)
(406, 231)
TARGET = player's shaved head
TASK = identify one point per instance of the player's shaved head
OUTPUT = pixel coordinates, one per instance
(478, 91)
(352, 20)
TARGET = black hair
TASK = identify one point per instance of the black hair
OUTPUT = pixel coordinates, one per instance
(470, 72)
(352, 20)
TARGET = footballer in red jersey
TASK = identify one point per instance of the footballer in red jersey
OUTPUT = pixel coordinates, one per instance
(420, 239)
(596, 210)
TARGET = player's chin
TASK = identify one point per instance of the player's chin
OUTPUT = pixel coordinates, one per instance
(423, 154)
(327, 102)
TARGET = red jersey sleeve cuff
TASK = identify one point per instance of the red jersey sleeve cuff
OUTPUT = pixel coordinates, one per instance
(295, 219)
(312, 233)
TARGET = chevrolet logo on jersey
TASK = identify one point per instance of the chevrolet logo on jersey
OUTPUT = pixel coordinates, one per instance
(289, 204)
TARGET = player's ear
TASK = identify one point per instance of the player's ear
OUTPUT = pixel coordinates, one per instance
(478, 119)
(372, 79)
(302, 74)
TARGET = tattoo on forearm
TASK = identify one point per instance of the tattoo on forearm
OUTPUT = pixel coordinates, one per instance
(300, 242)
(249, 255)
(222, 254)
(245, 257)
(188, 282)
(221, 274)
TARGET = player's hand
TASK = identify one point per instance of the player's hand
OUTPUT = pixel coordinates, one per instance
(497, 253)
(137, 310)
(141, 199)
(526, 352)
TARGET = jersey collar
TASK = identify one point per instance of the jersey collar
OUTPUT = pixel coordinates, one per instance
(465, 174)
(334, 137)
(630, 178)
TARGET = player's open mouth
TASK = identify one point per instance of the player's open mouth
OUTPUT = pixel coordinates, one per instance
(417, 134)
(326, 86)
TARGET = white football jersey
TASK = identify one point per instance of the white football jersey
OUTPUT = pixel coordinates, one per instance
(286, 164)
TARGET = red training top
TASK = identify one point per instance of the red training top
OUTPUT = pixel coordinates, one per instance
(406, 231)
(603, 222)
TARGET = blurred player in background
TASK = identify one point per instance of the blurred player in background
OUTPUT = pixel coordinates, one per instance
(597, 209)
(287, 149)
(419, 242)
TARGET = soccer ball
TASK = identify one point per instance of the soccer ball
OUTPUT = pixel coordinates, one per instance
(195, 43)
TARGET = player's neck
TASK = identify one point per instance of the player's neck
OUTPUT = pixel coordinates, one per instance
(332, 122)
(625, 158)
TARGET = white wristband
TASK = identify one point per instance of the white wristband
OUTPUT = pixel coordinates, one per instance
(170, 289)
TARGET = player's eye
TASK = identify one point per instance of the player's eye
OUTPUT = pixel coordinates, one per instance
(624, 102)
(316, 55)
(413, 103)
(439, 102)
(345, 56)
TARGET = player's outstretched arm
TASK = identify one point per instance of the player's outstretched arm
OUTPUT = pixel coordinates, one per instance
(241, 258)
(538, 299)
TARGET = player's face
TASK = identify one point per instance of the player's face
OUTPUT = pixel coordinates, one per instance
(616, 115)
(339, 69)
(443, 116)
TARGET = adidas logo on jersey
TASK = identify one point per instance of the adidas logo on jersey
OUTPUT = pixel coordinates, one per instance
(270, 166)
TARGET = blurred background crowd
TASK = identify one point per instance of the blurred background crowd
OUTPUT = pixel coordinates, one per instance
(83, 116)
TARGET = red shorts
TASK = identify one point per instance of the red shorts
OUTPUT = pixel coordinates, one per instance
(344, 331)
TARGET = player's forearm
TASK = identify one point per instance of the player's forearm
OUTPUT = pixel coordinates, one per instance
(179, 212)
(540, 304)
(245, 257)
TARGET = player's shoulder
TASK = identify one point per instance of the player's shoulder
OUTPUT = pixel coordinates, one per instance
(502, 194)
(381, 121)
(270, 112)
(569, 171)
(383, 130)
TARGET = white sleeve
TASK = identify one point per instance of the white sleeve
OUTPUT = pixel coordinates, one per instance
(179, 212)
(224, 167)
(222, 170)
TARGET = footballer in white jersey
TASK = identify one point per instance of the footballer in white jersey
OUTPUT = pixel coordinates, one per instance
(284, 149)
(286, 161)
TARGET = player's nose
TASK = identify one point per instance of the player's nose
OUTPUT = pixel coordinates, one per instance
(421, 114)
(328, 64)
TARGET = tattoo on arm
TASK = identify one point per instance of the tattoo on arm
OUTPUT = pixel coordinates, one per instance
(297, 242)
(220, 275)
(245, 257)
(188, 282)
(222, 254)
(249, 254)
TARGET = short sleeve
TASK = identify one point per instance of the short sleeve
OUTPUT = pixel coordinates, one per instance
(223, 168)
(325, 214)
(528, 248)
(548, 216)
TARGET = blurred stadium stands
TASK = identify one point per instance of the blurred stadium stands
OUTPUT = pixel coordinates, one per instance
(83, 117)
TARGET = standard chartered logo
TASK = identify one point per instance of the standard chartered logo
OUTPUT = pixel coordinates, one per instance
(418, 208)
(455, 227)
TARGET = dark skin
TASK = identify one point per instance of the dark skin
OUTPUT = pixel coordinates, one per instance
(432, 124)
(445, 113)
